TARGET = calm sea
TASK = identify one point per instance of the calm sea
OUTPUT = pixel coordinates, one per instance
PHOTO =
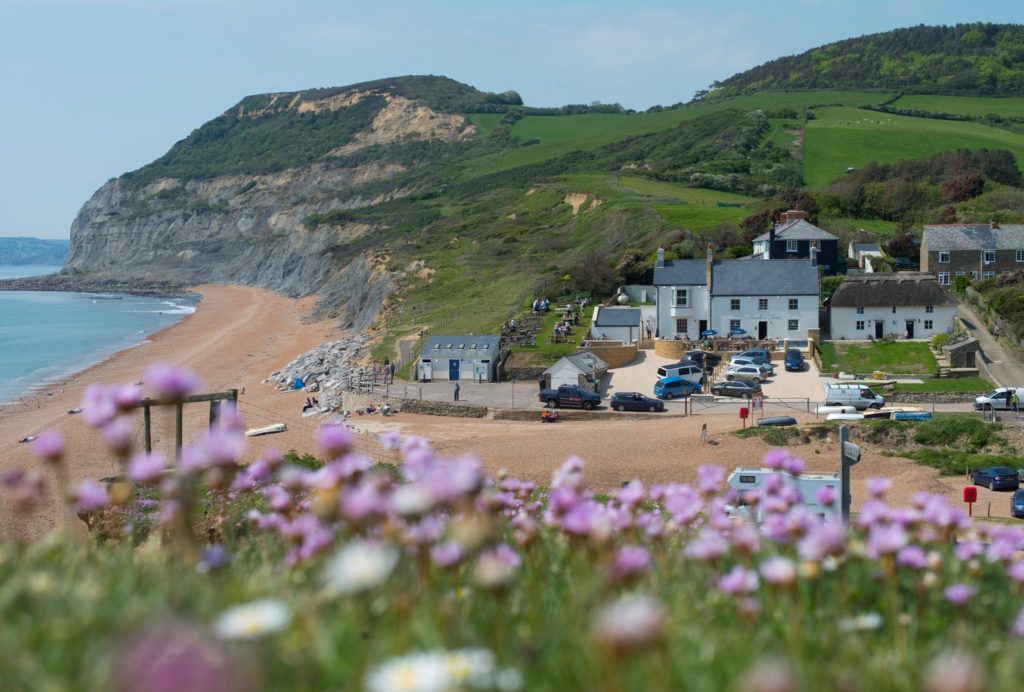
(47, 335)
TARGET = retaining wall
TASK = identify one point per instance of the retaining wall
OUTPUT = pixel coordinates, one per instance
(616, 356)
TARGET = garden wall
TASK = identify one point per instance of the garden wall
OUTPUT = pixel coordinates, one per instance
(613, 352)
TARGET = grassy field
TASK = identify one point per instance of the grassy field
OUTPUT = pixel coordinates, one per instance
(963, 105)
(562, 134)
(841, 137)
(902, 357)
(882, 228)
(948, 384)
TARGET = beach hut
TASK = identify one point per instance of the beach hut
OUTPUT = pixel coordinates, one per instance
(584, 369)
(465, 357)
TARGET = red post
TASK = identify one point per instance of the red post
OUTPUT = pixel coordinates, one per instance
(970, 497)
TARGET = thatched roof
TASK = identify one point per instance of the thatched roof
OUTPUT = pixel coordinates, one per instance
(890, 289)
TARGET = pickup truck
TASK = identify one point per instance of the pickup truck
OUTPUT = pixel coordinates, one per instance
(569, 395)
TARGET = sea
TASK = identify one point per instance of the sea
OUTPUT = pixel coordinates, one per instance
(46, 336)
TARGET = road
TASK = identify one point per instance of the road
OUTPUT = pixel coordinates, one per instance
(1003, 367)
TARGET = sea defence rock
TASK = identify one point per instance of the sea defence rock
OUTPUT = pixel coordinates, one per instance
(327, 371)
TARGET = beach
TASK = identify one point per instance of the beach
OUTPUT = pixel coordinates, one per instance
(237, 336)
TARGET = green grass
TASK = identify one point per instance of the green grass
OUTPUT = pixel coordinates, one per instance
(842, 137)
(696, 217)
(884, 229)
(948, 384)
(902, 357)
(547, 353)
(963, 105)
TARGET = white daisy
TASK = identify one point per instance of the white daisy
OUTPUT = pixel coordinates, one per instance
(253, 620)
(359, 566)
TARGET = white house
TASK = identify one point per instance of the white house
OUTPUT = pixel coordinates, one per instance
(770, 299)
(464, 357)
(861, 254)
(909, 305)
(584, 369)
(618, 324)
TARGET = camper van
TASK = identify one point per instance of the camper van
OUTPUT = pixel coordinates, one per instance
(743, 480)
(856, 395)
(687, 370)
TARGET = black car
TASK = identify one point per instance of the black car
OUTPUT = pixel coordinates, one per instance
(634, 401)
(704, 359)
(1017, 505)
(738, 388)
(996, 478)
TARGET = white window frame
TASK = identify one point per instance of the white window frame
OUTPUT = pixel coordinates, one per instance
(860, 311)
(762, 303)
(734, 304)
(683, 293)
(988, 256)
(734, 324)
(943, 256)
(794, 303)
(1020, 255)
(943, 278)
(682, 325)
(794, 325)
(988, 275)
(928, 324)
(791, 246)
(929, 309)
(860, 325)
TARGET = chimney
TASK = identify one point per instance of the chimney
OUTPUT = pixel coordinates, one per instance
(814, 256)
(710, 265)
(771, 243)
(659, 261)
(791, 215)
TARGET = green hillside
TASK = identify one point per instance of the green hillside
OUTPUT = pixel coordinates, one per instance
(966, 59)
(963, 105)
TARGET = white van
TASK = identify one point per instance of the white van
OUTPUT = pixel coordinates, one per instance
(688, 371)
(856, 395)
(998, 399)
(744, 480)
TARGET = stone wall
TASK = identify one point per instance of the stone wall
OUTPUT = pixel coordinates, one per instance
(669, 348)
(615, 355)
(929, 397)
(352, 401)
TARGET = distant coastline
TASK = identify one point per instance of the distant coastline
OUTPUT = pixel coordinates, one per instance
(73, 283)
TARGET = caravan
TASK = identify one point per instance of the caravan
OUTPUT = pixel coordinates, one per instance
(807, 484)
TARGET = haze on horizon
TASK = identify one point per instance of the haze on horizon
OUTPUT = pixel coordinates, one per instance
(95, 88)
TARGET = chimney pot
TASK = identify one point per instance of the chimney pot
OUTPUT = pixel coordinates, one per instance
(659, 260)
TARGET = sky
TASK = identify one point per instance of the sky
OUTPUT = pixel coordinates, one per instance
(92, 89)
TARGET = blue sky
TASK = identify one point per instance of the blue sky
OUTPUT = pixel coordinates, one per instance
(94, 88)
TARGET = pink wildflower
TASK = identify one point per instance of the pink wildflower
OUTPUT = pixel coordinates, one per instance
(630, 561)
(90, 496)
(171, 382)
(334, 440)
(49, 446)
(959, 594)
(143, 468)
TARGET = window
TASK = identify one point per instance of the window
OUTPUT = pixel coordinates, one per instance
(734, 324)
(794, 325)
(894, 309)
(734, 304)
(988, 256)
(927, 324)
(959, 273)
(791, 246)
(860, 311)
(929, 309)
(944, 278)
(794, 303)
(682, 298)
(437, 347)
(485, 347)
(762, 303)
(944, 256)
(860, 325)
(974, 276)
(1020, 255)
(682, 326)
(988, 275)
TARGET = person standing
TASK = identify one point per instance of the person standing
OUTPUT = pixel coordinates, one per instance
(1014, 402)
(455, 391)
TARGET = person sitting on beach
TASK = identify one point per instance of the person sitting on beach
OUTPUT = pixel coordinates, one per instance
(308, 405)
(386, 409)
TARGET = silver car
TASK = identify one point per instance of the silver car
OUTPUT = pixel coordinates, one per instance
(736, 361)
(745, 372)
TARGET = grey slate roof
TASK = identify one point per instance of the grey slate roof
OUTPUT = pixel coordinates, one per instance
(797, 230)
(462, 346)
(689, 272)
(586, 362)
(618, 317)
(865, 247)
(974, 237)
(895, 289)
(767, 277)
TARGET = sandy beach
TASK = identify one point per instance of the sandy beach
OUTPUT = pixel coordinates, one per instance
(236, 337)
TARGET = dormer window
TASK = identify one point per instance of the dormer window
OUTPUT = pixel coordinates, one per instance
(944, 256)
(988, 256)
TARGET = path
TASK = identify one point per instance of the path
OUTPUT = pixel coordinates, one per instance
(1003, 367)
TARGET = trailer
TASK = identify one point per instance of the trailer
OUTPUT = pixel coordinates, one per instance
(744, 480)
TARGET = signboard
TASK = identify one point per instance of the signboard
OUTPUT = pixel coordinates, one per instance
(757, 403)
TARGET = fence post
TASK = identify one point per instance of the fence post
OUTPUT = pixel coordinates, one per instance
(147, 437)
(178, 410)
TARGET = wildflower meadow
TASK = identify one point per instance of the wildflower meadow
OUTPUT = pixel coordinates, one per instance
(215, 571)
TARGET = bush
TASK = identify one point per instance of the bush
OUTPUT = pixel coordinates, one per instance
(940, 340)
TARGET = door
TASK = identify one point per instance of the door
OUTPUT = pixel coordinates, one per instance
(879, 329)
(762, 330)
(910, 329)
(702, 326)
(453, 369)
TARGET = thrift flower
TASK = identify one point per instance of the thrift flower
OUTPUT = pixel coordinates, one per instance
(171, 382)
(253, 620)
(738, 581)
(959, 594)
(90, 496)
(630, 561)
(359, 566)
(334, 440)
(143, 468)
(49, 446)
(779, 571)
(631, 622)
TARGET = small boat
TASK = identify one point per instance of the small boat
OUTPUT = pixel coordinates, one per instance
(845, 416)
(266, 430)
(912, 415)
(776, 421)
(887, 411)
(825, 410)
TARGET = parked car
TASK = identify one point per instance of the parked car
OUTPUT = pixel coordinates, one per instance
(703, 358)
(996, 478)
(998, 399)
(738, 388)
(1017, 504)
(761, 354)
(736, 361)
(795, 360)
(635, 401)
(687, 370)
(856, 395)
(672, 387)
(569, 395)
(745, 372)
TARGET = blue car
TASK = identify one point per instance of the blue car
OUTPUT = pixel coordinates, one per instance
(794, 360)
(996, 478)
(1017, 505)
(672, 387)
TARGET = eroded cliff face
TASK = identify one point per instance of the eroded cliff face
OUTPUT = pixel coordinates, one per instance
(240, 229)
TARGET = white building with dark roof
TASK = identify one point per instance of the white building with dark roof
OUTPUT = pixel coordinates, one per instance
(794, 237)
(466, 357)
(583, 369)
(770, 299)
(618, 324)
(909, 305)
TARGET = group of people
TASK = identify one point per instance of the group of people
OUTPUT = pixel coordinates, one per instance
(541, 305)
(386, 370)
(383, 409)
(547, 416)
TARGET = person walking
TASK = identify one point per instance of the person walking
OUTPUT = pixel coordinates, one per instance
(1014, 402)
(455, 391)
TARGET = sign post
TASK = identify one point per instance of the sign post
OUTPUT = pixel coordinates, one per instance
(744, 414)
(970, 497)
(757, 404)
(849, 454)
